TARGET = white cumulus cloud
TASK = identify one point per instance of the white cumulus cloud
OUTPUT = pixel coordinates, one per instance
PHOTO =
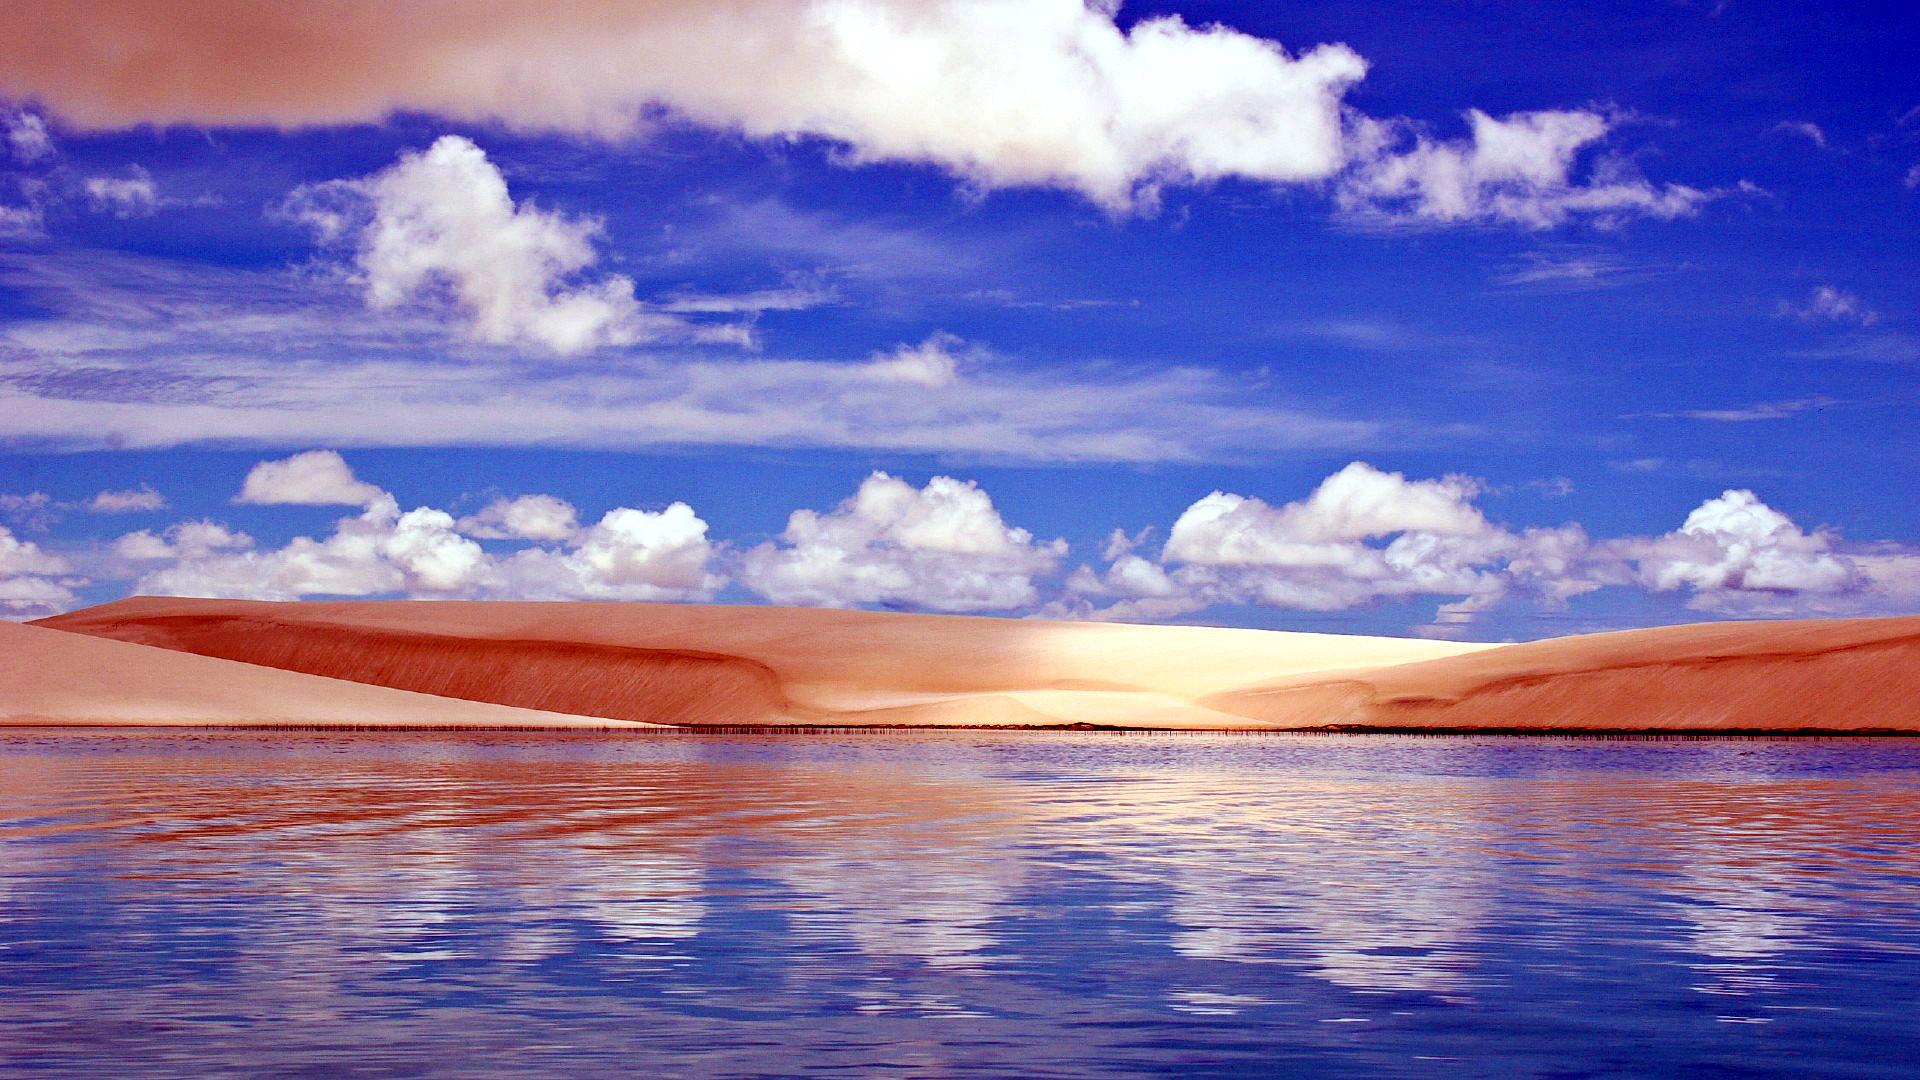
(528, 517)
(27, 136)
(629, 554)
(998, 92)
(1362, 535)
(1365, 535)
(186, 540)
(1828, 303)
(433, 557)
(129, 196)
(312, 478)
(1052, 92)
(1356, 503)
(930, 364)
(128, 501)
(1735, 550)
(20, 222)
(942, 547)
(1520, 169)
(350, 562)
(32, 581)
(440, 225)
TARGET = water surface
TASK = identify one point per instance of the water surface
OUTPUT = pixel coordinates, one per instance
(942, 904)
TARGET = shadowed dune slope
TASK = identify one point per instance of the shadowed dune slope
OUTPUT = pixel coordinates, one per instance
(1828, 675)
(52, 677)
(659, 686)
(713, 664)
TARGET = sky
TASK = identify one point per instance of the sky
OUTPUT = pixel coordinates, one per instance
(1369, 318)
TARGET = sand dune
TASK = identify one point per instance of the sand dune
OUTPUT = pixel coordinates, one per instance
(1831, 675)
(712, 664)
(53, 677)
(579, 677)
(719, 665)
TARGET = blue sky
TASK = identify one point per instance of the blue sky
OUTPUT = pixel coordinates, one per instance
(1618, 309)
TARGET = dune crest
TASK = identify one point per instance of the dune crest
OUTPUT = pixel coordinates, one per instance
(714, 665)
(723, 665)
(56, 678)
(1813, 675)
(657, 686)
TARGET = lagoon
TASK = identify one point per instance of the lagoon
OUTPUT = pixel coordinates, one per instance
(956, 903)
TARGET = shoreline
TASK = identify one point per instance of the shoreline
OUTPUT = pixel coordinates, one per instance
(10, 725)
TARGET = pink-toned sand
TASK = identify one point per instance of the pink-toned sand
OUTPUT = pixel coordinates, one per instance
(693, 664)
(720, 665)
(1811, 675)
(52, 677)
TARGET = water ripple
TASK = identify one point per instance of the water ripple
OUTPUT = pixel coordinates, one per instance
(950, 903)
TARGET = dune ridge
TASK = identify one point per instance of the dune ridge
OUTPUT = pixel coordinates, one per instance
(50, 677)
(722, 666)
(657, 686)
(1812, 675)
(808, 666)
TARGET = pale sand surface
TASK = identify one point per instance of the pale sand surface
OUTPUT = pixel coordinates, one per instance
(1816, 674)
(53, 677)
(711, 664)
(718, 665)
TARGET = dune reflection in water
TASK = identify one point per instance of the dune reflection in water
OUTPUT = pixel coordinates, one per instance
(1059, 904)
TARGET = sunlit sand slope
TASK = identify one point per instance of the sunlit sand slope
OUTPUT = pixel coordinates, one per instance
(52, 677)
(691, 664)
(1834, 675)
(718, 665)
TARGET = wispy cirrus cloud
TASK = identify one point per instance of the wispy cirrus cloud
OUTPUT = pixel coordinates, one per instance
(1371, 334)
(1576, 269)
(1740, 414)
(1801, 129)
(1884, 346)
(880, 250)
(1829, 304)
(1009, 298)
(1704, 469)
(1062, 415)
(145, 354)
(801, 293)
